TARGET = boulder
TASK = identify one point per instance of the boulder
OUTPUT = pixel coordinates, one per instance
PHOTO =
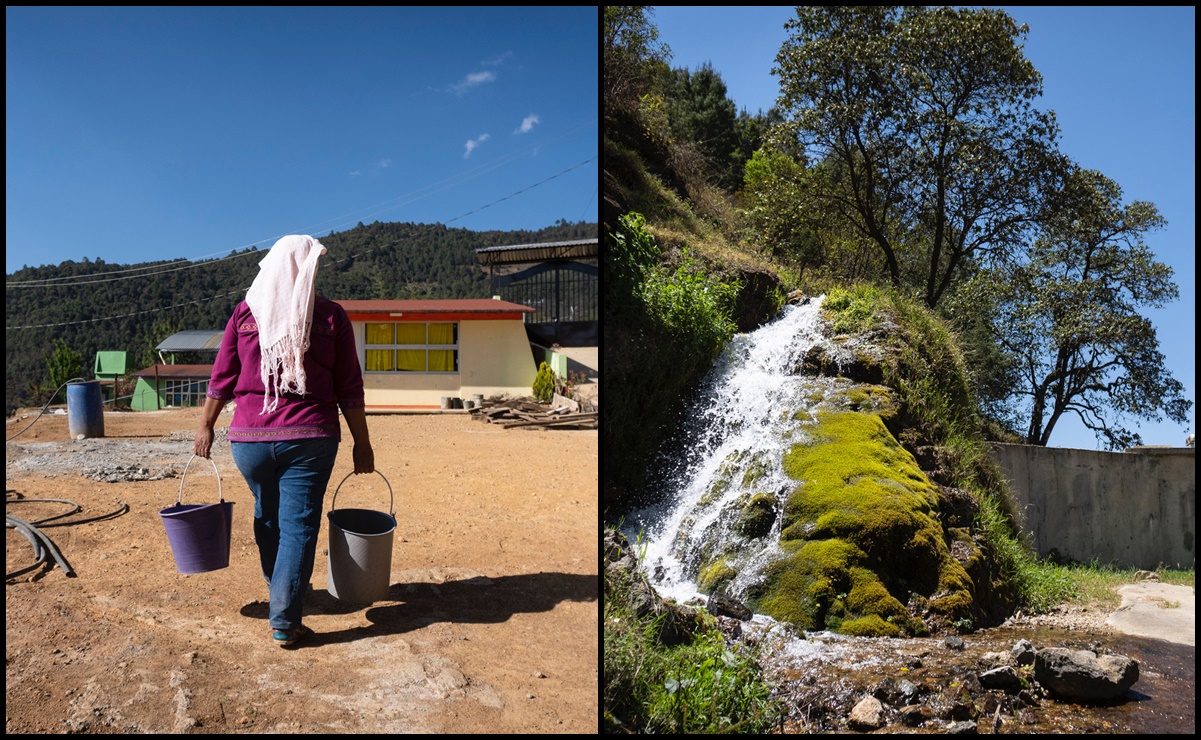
(1082, 675)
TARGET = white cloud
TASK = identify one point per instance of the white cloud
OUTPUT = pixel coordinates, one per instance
(473, 143)
(385, 164)
(527, 123)
(475, 79)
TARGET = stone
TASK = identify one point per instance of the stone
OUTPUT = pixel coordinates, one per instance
(720, 605)
(867, 715)
(1081, 674)
(1004, 678)
(1023, 652)
(915, 716)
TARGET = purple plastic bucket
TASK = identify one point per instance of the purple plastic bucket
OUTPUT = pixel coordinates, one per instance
(199, 533)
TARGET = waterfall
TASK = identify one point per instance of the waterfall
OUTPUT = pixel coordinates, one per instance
(753, 405)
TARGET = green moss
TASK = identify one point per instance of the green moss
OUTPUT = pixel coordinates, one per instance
(716, 576)
(802, 587)
(869, 626)
(861, 533)
(758, 516)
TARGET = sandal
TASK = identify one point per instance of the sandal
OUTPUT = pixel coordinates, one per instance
(284, 638)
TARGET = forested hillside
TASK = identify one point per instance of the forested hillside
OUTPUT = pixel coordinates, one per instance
(96, 306)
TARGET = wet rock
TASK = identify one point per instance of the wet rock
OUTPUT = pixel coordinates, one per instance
(1023, 652)
(953, 643)
(897, 693)
(867, 715)
(617, 546)
(962, 728)
(915, 716)
(1004, 678)
(1081, 674)
(724, 606)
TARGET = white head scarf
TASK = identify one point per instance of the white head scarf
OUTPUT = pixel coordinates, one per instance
(281, 299)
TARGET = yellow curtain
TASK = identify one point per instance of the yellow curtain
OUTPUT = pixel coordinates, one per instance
(379, 334)
(442, 360)
(411, 360)
(442, 334)
(380, 359)
(410, 333)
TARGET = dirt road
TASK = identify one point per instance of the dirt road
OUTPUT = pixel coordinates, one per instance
(490, 623)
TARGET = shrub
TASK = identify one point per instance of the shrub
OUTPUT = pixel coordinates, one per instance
(544, 384)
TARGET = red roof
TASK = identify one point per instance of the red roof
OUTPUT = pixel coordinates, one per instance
(460, 305)
(176, 371)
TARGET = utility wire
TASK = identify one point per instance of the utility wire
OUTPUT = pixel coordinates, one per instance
(174, 266)
(332, 262)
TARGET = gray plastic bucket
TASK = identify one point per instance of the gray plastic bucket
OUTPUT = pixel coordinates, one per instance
(85, 409)
(360, 551)
(199, 533)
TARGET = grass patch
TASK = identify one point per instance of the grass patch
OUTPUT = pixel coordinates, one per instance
(1049, 585)
(700, 686)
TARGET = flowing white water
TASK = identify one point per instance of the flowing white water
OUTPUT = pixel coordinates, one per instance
(753, 406)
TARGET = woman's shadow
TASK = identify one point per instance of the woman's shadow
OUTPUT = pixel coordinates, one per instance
(475, 600)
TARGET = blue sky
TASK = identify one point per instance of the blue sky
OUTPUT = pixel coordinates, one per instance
(1122, 84)
(137, 134)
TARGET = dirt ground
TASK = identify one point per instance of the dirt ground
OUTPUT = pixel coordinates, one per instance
(490, 624)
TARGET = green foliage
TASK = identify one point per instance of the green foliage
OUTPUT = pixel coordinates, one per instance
(665, 325)
(852, 310)
(63, 364)
(701, 686)
(632, 52)
(1072, 318)
(700, 112)
(923, 118)
(632, 252)
(692, 306)
(544, 384)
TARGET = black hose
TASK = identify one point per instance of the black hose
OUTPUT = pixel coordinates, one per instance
(35, 535)
(43, 547)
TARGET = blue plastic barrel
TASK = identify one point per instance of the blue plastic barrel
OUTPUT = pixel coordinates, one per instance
(85, 409)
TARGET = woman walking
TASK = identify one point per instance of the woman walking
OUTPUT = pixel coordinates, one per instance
(288, 361)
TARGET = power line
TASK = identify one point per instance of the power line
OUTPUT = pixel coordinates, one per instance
(144, 271)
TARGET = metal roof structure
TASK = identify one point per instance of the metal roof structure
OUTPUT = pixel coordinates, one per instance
(175, 371)
(520, 254)
(192, 340)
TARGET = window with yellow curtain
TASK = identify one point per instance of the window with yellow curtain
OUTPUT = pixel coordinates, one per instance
(442, 333)
(412, 348)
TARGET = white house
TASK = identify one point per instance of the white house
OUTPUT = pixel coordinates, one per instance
(416, 352)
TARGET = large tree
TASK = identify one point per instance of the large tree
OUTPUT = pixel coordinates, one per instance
(633, 54)
(1070, 315)
(925, 115)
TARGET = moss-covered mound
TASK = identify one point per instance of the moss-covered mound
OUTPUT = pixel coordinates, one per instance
(861, 536)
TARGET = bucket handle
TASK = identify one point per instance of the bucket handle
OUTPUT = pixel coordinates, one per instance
(391, 501)
(220, 495)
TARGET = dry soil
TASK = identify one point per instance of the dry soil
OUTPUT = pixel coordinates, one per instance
(490, 624)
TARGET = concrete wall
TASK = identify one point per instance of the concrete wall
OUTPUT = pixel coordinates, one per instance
(1132, 509)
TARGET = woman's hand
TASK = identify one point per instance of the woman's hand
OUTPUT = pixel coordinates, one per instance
(203, 444)
(364, 458)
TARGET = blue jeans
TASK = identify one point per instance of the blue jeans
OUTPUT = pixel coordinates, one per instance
(288, 480)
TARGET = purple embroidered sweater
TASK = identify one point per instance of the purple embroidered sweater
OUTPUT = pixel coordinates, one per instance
(333, 379)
